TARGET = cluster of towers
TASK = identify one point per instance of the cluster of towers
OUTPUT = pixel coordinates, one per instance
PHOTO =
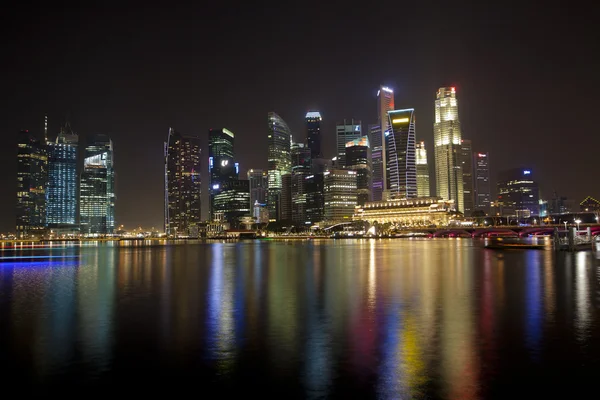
(57, 195)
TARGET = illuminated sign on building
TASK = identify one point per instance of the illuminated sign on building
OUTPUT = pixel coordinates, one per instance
(526, 172)
(400, 120)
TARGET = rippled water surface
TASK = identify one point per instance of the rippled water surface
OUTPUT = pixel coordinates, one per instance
(438, 318)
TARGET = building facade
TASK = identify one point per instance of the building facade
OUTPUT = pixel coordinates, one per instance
(466, 164)
(301, 167)
(315, 201)
(377, 160)
(221, 164)
(32, 175)
(418, 212)
(447, 140)
(258, 182)
(232, 201)
(358, 159)
(339, 195)
(423, 188)
(286, 198)
(346, 131)
(62, 190)
(97, 188)
(385, 104)
(182, 184)
(518, 193)
(313, 134)
(280, 161)
(483, 190)
(401, 156)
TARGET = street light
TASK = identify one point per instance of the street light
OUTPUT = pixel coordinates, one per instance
(565, 222)
(577, 221)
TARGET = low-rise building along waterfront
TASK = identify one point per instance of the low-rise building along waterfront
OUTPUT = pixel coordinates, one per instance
(415, 212)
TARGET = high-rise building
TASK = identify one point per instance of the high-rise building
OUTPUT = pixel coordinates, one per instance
(315, 202)
(97, 188)
(286, 198)
(401, 157)
(423, 189)
(258, 182)
(301, 167)
(61, 193)
(221, 165)
(280, 162)
(483, 192)
(346, 131)
(339, 195)
(377, 160)
(518, 193)
(358, 158)
(466, 164)
(385, 104)
(32, 174)
(233, 201)
(182, 185)
(447, 140)
(313, 134)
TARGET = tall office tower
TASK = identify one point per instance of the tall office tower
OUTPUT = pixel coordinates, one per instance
(422, 170)
(347, 131)
(286, 198)
(301, 166)
(32, 174)
(280, 162)
(483, 192)
(182, 184)
(313, 134)
(401, 158)
(258, 182)
(447, 140)
(315, 201)
(233, 201)
(221, 165)
(358, 158)
(518, 193)
(385, 104)
(466, 164)
(97, 187)
(339, 195)
(377, 160)
(61, 193)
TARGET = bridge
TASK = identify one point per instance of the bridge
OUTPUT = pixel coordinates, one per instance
(495, 231)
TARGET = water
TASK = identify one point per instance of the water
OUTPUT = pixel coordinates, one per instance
(437, 318)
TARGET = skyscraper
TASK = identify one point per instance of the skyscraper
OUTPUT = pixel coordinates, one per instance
(385, 103)
(313, 134)
(285, 207)
(401, 158)
(232, 200)
(182, 184)
(340, 195)
(358, 158)
(280, 162)
(301, 166)
(346, 131)
(518, 193)
(221, 165)
(466, 163)
(258, 183)
(483, 193)
(61, 193)
(423, 189)
(97, 187)
(447, 140)
(315, 202)
(32, 173)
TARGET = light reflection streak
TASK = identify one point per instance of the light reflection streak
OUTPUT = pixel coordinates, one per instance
(533, 303)
(582, 299)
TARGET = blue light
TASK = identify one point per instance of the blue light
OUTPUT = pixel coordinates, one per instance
(210, 162)
(526, 172)
(29, 257)
(237, 168)
(215, 186)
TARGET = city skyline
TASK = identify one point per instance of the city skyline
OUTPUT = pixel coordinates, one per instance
(488, 77)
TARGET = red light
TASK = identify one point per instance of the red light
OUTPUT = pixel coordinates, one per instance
(454, 89)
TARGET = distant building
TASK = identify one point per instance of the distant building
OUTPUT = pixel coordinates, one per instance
(233, 201)
(466, 164)
(559, 205)
(418, 212)
(423, 189)
(259, 185)
(32, 174)
(346, 131)
(358, 158)
(313, 134)
(385, 104)
(97, 188)
(286, 198)
(301, 167)
(260, 213)
(518, 193)
(447, 141)
(280, 162)
(401, 160)
(339, 195)
(62, 191)
(221, 164)
(315, 201)
(182, 184)
(377, 161)
(483, 193)
(590, 204)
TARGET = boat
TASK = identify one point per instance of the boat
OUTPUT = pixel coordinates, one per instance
(499, 244)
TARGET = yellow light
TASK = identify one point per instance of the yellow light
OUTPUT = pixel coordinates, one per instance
(399, 120)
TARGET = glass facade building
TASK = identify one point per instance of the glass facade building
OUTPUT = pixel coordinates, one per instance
(313, 134)
(518, 193)
(401, 158)
(62, 191)
(315, 202)
(32, 175)
(466, 164)
(183, 187)
(358, 159)
(385, 104)
(447, 141)
(339, 195)
(221, 165)
(258, 183)
(280, 162)
(97, 188)
(346, 131)
(233, 201)
(483, 193)
(423, 189)
(301, 167)
(377, 160)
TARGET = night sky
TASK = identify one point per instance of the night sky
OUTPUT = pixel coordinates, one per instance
(527, 80)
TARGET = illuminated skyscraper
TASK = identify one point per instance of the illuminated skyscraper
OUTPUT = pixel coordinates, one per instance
(483, 193)
(280, 162)
(447, 140)
(518, 193)
(182, 184)
(258, 183)
(385, 103)
(233, 201)
(97, 187)
(376, 141)
(401, 158)
(32, 174)
(221, 165)
(340, 195)
(466, 164)
(358, 158)
(346, 131)
(313, 134)
(301, 166)
(423, 189)
(61, 193)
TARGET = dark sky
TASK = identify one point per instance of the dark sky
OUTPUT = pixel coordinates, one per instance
(527, 80)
